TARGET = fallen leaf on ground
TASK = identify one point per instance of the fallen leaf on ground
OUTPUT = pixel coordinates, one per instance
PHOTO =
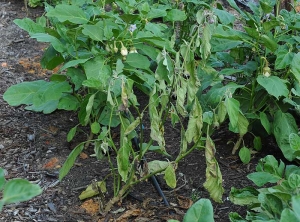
(83, 156)
(184, 202)
(91, 206)
(52, 163)
(129, 213)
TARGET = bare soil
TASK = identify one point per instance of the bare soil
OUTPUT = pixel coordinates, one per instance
(34, 146)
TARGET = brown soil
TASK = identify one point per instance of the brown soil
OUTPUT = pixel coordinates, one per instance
(33, 146)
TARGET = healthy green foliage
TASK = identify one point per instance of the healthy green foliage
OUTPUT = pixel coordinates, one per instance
(276, 203)
(16, 190)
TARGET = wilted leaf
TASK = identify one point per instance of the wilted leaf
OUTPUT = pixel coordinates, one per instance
(170, 176)
(123, 159)
(90, 191)
(193, 132)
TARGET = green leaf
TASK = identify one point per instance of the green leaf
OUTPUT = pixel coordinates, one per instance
(95, 32)
(123, 159)
(138, 61)
(200, 211)
(265, 122)
(70, 161)
(205, 46)
(70, 13)
(77, 77)
(17, 190)
(257, 143)
(95, 127)
(274, 85)
(213, 182)
(271, 204)
(294, 141)
(233, 110)
(261, 178)
(68, 102)
(56, 44)
(284, 124)
(71, 133)
(132, 126)
(194, 128)
(289, 215)
(284, 59)
(157, 165)
(244, 196)
(2, 178)
(92, 191)
(51, 58)
(222, 112)
(73, 63)
(175, 15)
(30, 26)
(295, 66)
(170, 176)
(296, 205)
(96, 69)
(294, 181)
(245, 155)
(268, 42)
(225, 17)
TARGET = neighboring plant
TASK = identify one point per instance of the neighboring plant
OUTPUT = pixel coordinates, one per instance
(200, 211)
(253, 74)
(280, 202)
(16, 190)
(105, 50)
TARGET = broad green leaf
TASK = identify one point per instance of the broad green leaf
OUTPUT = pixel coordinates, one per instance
(71, 133)
(56, 44)
(205, 46)
(271, 204)
(70, 161)
(17, 190)
(156, 13)
(132, 126)
(2, 178)
(92, 191)
(76, 76)
(157, 165)
(94, 84)
(193, 131)
(30, 26)
(200, 211)
(208, 117)
(274, 85)
(245, 155)
(295, 66)
(233, 110)
(225, 17)
(265, 122)
(244, 196)
(45, 107)
(261, 178)
(269, 42)
(296, 205)
(213, 183)
(96, 69)
(170, 176)
(123, 159)
(70, 13)
(95, 32)
(175, 15)
(95, 127)
(289, 215)
(284, 59)
(284, 124)
(294, 140)
(267, 5)
(23, 93)
(138, 61)
(68, 102)
(294, 180)
(73, 63)
(51, 58)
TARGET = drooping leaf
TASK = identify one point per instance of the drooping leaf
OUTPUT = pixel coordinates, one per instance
(157, 165)
(123, 159)
(170, 176)
(71, 133)
(70, 161)
(225, 17)
(200, 211)
(244, 196)
(205, 47)
(265, 122)
(194, 129)
(274, 85)
(213, 174)
(92, 191)
(233, 109)
(72, 13)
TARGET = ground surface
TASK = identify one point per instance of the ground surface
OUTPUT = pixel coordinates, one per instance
(33, 146)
